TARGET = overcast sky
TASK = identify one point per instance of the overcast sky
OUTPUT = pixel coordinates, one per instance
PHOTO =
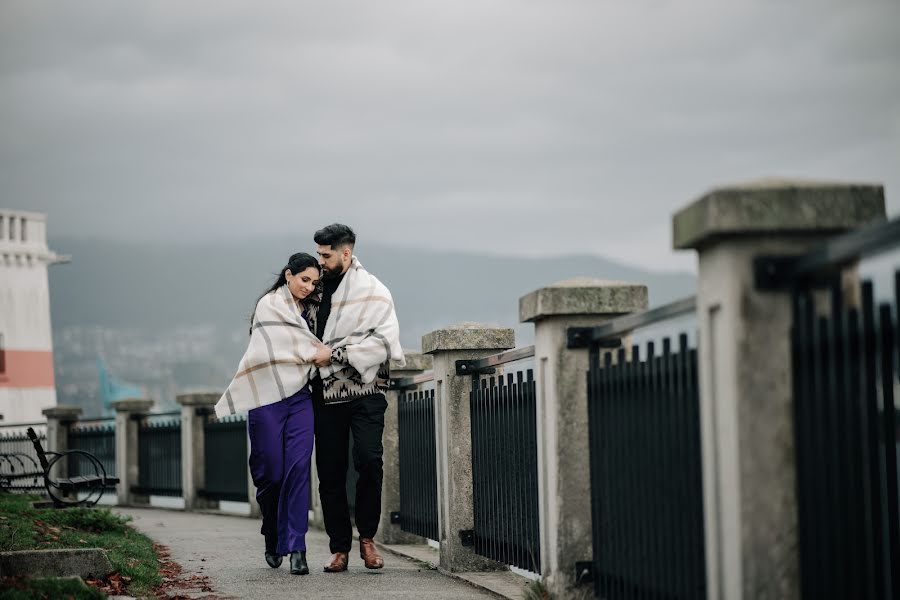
(516, 127)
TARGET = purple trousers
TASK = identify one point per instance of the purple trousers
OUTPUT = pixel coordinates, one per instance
(281, 443)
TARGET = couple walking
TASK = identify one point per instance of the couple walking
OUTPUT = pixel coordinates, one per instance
(320, 341)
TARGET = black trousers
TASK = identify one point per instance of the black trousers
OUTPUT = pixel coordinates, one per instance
(364, 418)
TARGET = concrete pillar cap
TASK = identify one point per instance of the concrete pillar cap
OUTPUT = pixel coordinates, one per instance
(62, 412)
(415, 361)
(772, 206)
(468, 336)
(198, 398)
(135, 405)
(583, 296)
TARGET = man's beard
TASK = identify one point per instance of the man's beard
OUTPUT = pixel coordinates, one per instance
(331, 273)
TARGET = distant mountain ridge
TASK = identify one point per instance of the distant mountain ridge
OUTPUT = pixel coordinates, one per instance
(144, 286)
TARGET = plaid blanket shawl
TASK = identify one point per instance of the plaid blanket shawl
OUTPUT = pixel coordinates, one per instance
(364, 335)
(276, 364)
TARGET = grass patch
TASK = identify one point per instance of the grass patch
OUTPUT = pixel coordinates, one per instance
(130, 552)
(424, 564)
(536, 590)
(39, 589)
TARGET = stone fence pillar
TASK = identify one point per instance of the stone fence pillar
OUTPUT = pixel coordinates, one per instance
(388, 532)
(747, 429)
(128, 412)
(453, 434)
(564, 484)
(59, 420)
(194, 410)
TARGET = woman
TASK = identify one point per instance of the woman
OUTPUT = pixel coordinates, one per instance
(273, 384)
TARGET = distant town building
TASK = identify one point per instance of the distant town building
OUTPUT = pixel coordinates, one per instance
(26, 341)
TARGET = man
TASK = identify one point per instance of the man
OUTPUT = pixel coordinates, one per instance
(356, 319)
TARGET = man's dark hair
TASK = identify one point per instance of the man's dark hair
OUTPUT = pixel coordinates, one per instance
(336, 236)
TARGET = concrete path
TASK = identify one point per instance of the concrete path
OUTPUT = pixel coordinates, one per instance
(228, 551)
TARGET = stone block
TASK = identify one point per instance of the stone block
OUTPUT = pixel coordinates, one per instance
(200, 399)
(63, 413)
(415, 361)
(77, 562)
(468, 336)
(777, 205)
(135, 405)
(583, 296)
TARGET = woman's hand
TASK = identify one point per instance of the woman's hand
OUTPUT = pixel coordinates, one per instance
(322, 357)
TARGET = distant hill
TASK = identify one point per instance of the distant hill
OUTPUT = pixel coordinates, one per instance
(158, 287)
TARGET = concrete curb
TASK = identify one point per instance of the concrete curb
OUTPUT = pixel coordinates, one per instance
(502, 584)
(79, 562)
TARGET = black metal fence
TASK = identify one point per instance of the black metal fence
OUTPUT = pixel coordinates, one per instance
(845, 366)
(159, 457)
(418, 464)
(645, 468)
(504, 469)
(19, 465)
(225, 458)
(98, 439)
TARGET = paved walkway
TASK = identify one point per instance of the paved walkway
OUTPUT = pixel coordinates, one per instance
(228, 551)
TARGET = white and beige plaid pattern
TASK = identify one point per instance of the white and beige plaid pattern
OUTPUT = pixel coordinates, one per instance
(364, 323)
(277, 363)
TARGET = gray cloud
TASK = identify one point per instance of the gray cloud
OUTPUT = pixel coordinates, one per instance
(507, 126)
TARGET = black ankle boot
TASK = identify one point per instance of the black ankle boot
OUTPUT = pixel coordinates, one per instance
(272, 557)
(298, 563)
(273, 560)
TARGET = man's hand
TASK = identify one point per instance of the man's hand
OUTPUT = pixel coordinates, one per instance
(322, 357)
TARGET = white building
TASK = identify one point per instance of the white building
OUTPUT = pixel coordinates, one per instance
(26, 341)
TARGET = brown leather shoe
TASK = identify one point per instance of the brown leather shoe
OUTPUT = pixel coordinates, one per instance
(337, 562)
(369, 553)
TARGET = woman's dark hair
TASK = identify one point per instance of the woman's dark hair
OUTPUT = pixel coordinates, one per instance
(296, 263)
